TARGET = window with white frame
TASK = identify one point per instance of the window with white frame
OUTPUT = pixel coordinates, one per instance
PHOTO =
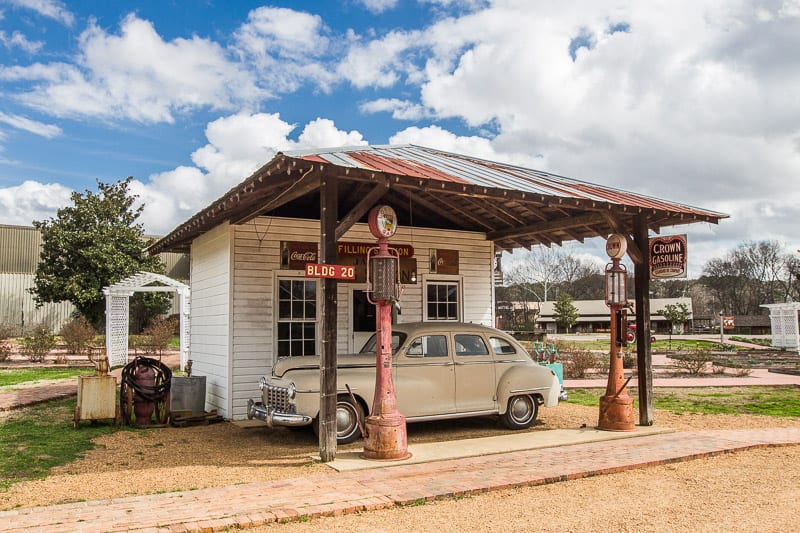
(441, 300)
(297, 317)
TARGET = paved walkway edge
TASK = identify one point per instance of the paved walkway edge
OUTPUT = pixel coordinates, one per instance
(255, 504)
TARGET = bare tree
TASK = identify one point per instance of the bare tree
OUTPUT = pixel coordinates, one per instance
(540, 270)
(752, 274)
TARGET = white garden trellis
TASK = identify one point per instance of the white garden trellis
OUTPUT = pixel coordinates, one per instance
(785, 325)
(117, 308)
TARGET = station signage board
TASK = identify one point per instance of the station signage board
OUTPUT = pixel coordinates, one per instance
(668, 257)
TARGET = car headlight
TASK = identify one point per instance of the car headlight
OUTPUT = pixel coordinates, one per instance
(291, 391)
(262, 383)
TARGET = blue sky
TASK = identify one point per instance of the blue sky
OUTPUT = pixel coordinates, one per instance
(692, 101)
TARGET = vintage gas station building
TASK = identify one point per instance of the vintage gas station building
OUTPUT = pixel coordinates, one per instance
(251, 299)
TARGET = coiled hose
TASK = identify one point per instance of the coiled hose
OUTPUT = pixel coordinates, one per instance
(134, 389)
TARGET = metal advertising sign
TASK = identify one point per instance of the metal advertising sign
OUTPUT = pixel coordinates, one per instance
(316, 270)
(728, 322)
(668, 257)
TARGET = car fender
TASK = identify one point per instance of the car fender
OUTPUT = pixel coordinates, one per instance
(528, 379)
(360, 381)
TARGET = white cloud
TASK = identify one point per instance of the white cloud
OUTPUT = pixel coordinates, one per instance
(378, 63)
(48, 8)
(400, 109)
(378, 6)
(137, 75)
(284, 46)
(22, 204)
(436, 137)
(18, 40)
(45, 130)
(237, 146)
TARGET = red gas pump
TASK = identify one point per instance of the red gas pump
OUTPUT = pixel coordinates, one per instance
(616, 406)
(386, 436)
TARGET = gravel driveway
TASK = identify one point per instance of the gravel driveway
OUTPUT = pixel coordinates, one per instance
(732, 488)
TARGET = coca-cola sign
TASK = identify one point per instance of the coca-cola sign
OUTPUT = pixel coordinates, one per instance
(295, 255)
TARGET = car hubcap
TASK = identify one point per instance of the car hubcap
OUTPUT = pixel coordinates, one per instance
(345, 419)
(521, 409)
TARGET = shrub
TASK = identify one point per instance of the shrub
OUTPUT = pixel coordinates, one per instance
(77, 335)
(577, 362)
(717, 369)
(38, 343)
(6, 332)
(694, 362)
(159, 332)
(629, 360)
(743, 371)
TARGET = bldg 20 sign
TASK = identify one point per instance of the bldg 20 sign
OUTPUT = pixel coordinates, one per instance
(668, 257)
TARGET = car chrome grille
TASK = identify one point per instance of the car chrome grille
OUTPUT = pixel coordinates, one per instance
(278, 399)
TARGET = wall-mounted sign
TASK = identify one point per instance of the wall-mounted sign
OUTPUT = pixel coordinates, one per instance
(295, 255)
(316, 270)
(444, 261)
(668, 257)
(360, 249)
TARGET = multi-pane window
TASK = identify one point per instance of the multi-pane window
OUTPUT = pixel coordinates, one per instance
(441, 299)
(297, 317)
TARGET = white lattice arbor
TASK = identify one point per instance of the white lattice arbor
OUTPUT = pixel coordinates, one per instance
(117, 300)
(785, 325)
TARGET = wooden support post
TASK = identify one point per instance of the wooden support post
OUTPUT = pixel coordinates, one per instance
(644, 355)
(329, 213)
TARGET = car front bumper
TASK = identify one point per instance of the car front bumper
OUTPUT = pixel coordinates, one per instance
(274, 418)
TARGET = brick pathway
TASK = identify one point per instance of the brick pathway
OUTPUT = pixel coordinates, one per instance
(33, 395)
(334, 494)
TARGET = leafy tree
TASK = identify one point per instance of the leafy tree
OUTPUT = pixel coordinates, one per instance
(675, 314)
(564, 311)
(91, 244)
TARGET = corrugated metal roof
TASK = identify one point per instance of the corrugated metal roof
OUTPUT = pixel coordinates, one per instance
(514, 206)
(418, 161)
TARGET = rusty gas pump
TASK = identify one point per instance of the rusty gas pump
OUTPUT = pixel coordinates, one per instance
(616, 406)
(386, 436)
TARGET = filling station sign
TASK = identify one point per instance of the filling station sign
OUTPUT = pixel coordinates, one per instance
(668, 257)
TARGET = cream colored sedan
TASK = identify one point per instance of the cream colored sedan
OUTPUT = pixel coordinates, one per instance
(441, 370)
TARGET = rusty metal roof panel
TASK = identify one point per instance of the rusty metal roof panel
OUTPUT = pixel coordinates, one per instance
(417, 161)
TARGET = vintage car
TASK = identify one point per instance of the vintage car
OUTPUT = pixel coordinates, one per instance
(440, 371)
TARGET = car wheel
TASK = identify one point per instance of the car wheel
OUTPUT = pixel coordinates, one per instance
(348, 415)
(521, 412)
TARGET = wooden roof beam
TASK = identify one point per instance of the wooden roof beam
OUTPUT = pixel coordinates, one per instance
(361, 208)
(549, 226)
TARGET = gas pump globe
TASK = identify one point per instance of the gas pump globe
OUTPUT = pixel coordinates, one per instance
(385, 436)
(616, 406)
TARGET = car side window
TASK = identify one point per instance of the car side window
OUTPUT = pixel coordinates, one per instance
(428, 346)
(501, 346)
(470, 345)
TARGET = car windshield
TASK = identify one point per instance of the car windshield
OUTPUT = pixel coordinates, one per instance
(397, 340)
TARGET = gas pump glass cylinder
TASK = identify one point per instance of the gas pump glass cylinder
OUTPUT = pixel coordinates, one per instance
(616, 284)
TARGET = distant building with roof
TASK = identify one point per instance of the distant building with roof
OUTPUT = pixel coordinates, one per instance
(594, 315)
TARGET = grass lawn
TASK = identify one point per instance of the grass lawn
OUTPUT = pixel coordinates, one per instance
(15, 376)
(771, 401)
(37, 438)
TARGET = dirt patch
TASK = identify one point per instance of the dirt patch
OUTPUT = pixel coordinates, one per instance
(148, 461)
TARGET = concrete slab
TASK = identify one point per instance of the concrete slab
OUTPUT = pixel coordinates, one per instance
(459, 449)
